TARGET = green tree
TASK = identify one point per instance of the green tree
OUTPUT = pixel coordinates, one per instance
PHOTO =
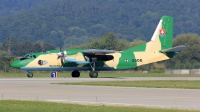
(178, 65)
(36, 47)
(136, 42)
(188, 64)
(47, 47)
(109, 41)
(191, 54)
(3, 53)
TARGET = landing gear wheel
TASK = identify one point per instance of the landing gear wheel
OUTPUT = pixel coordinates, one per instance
(93, 74)
(29, 75)
(75, 73)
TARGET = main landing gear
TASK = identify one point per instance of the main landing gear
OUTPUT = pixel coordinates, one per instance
(75, 73)
(92, 73)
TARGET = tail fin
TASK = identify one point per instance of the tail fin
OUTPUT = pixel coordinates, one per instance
(163, 33)
(161, 39)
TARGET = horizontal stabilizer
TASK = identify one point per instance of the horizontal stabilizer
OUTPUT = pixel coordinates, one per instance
(174, 49)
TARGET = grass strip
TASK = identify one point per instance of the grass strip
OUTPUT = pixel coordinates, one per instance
(183, 84)
(38, 106)
(85, 74)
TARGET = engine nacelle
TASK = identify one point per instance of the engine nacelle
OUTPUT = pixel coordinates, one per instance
(95, 58)
(73, 60)
(90, 59)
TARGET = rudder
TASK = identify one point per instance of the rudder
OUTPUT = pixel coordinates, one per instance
(166, 40)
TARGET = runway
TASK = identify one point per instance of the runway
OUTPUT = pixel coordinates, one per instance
(41, 89)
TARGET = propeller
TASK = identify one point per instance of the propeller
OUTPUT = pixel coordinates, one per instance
(62, 55)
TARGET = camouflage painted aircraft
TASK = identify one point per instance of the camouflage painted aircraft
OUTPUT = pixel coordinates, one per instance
(159, 48)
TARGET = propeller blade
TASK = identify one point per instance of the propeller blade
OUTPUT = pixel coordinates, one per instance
(62, 56)
(61, 61)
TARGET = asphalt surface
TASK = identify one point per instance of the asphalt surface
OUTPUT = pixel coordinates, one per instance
(41, 89)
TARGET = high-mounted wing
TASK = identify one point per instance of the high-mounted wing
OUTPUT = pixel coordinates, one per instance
(94, 55)
(98, 51)
(89, 56)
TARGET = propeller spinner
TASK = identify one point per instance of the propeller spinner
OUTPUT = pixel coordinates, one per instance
(62, 56)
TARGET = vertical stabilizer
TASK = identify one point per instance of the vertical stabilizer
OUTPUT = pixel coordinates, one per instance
(161, 39)
(163, 34)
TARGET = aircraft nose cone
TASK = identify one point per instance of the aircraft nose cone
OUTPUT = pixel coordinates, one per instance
(16, 64)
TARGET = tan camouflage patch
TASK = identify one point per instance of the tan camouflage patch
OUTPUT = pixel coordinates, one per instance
(114, 62)
(156, 44)
(79, 57)
(52, 59)
(149, 57)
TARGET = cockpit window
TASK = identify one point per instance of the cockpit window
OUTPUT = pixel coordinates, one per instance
(28, 56)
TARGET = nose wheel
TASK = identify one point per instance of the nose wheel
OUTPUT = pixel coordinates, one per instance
(29, 75)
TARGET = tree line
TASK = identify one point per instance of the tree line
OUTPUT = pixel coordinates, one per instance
(17, 48)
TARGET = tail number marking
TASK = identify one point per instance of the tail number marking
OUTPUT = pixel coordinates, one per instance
(136, 60)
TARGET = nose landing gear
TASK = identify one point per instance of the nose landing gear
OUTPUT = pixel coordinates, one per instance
(29, 75)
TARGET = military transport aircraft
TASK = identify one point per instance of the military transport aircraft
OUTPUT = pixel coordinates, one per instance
(159, 48)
